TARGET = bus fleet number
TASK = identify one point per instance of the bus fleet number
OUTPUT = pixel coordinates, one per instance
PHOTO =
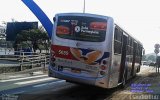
(61, 52)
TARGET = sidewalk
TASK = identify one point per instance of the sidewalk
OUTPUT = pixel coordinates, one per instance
(7, 76)
(149, 83)
(154, 80)
(145, 85)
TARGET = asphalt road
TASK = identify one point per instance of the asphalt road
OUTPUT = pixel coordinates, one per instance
(8, 62)
(61, 90)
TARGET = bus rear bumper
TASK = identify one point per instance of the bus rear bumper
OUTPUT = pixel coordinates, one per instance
(70, 77)
(77, 79)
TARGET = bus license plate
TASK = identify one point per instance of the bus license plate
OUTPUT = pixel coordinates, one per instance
(75, 70)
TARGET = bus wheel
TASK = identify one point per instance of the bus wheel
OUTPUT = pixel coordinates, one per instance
(123, 84)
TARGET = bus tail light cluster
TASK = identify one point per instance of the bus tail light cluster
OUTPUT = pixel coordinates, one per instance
(102, 73)
(53, 56)
(52, 59)
(103, 70)
(103, 67)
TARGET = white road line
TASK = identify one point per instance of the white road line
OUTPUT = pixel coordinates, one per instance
(22, 78)
(16, 76)
(40, 85)
(56, 82)
(33, 81)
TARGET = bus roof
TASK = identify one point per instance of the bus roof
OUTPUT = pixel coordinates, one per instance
(83, 14)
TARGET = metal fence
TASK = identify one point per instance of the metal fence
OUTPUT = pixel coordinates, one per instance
(20, 61)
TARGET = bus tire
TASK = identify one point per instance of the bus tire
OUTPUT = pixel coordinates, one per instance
(123, 84)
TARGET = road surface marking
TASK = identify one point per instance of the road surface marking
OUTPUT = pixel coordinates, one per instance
(57, 82)
(34, 73)
(40, 85)
(33, 81)
(16, 76)
(22, 78)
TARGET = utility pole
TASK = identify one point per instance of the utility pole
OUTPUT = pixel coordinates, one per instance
(84, 6)
(156, 50)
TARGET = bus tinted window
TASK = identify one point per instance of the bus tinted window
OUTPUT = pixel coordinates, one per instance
(81, 28)
(117, 41)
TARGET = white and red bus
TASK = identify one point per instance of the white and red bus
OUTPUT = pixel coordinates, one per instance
(92, 49)
(89, 49)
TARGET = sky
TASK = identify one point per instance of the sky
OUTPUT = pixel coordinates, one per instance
(140, 18)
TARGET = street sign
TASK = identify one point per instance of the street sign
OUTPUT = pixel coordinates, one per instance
(157, 46)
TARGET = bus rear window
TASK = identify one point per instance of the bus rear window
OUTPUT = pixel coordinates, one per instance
(81, 28)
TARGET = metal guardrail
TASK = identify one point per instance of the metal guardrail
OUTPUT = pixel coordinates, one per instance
(24, 61)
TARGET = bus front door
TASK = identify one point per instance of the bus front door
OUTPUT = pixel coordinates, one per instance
(134, 57)
(123, 59)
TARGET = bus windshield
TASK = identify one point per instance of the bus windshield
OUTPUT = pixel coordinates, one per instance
(81, 28)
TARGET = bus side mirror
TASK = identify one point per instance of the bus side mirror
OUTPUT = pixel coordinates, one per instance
(54, 19)
(143, 52)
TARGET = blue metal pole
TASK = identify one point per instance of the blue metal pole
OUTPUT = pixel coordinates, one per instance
(37, 11)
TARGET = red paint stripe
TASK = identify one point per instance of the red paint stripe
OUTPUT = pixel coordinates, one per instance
(62, 52)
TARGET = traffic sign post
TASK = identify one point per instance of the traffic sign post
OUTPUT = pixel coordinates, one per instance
(157, 46)
(156, 51)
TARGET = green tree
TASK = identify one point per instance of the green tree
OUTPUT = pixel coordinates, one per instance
(36, 36)
(152, 58)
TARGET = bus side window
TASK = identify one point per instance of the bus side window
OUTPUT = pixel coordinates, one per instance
(128, 46)
(117, 41)
(139, 53)
(131, 46)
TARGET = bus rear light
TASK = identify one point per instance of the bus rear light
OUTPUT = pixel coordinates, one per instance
(104, 62)
(102, 73)
(103, 67)
(53, 59)
(52, 54)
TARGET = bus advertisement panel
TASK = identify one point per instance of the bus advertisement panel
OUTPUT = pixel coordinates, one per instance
(81, 28)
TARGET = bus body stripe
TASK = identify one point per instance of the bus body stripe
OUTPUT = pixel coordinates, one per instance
(89, 57)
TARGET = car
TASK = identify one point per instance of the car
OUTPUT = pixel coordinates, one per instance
(152, 64)
(145, 63)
